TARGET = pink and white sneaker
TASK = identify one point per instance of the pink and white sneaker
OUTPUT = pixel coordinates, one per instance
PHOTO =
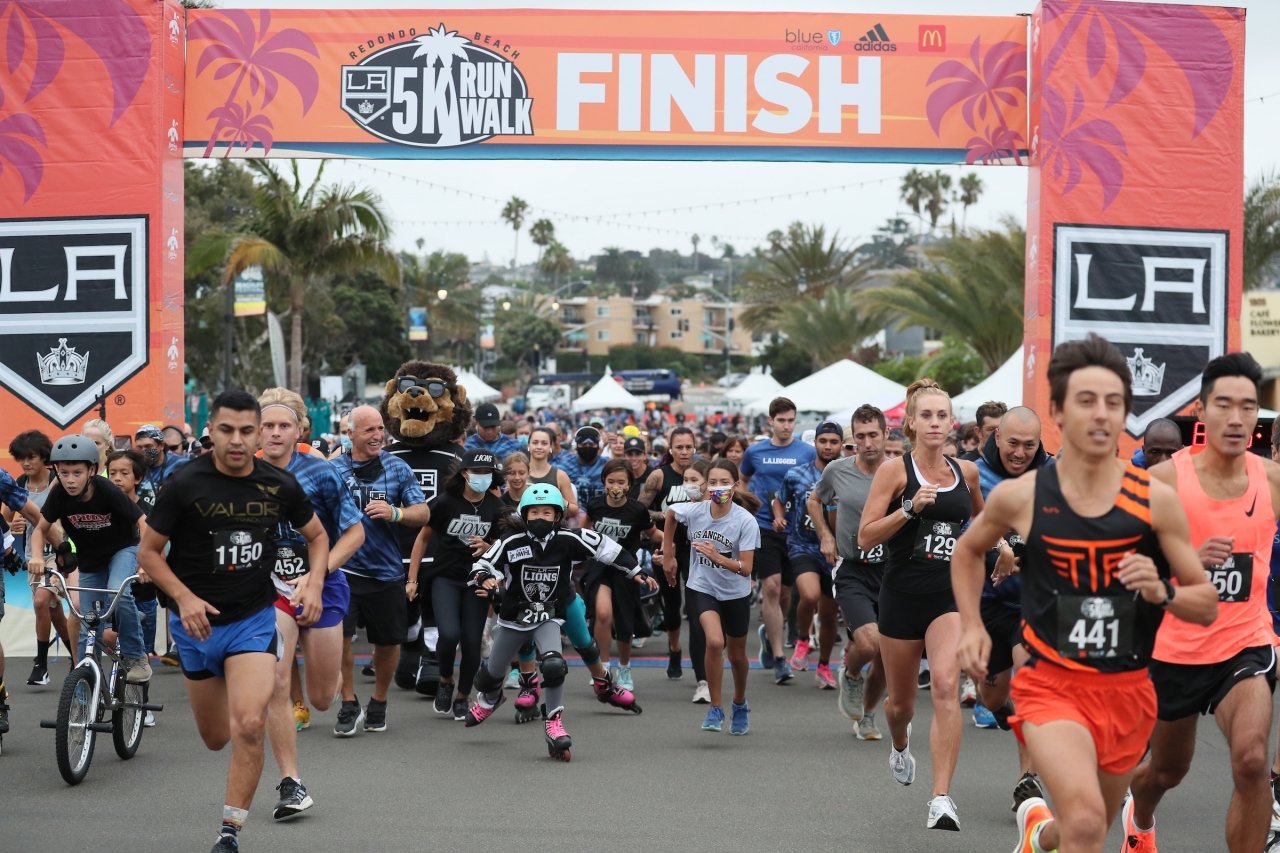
(481, 710)
(527, 700)
(558, 740)
(800, 660)
(825, 680)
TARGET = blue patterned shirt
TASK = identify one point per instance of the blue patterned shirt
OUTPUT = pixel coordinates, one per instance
(385, 478)
(585, 478)
(11, 494)
(501, 447)
(794, 496)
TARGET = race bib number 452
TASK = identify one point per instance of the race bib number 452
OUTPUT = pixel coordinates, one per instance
(1095, 626)
(236, 550)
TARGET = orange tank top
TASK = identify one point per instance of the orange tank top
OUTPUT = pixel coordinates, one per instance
(1243, 618)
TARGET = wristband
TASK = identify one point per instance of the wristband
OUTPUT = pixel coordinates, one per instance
(396, 515)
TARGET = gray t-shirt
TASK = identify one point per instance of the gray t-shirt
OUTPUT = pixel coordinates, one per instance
(733, 534)
(844, 485)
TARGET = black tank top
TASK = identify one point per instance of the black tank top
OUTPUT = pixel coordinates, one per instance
(670, 479)
(1075, 612)
(551, 478)
(638, 485)
(918, 556)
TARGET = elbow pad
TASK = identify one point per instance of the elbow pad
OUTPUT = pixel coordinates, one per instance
(626, 561)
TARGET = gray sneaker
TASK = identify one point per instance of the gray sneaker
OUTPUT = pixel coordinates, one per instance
(139, 670)
(866, 728)
(852, 693)
(902, 763)
(782, 671)
(350, 716)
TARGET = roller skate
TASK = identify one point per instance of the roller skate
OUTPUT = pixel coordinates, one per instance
(480, 710)
(612, 694)
(558, 740)
(527, 699)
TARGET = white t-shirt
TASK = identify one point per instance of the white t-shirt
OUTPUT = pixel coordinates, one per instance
(734, 533)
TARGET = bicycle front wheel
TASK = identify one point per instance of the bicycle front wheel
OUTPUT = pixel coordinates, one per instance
(74, 739)
(126, 721)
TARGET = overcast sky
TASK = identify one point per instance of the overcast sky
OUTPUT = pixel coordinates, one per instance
(586, 187)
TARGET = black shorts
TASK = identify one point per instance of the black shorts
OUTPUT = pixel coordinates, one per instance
(1183, 690)
(771, 557)
(804, 564)
(908, 615)
(1004, 624)
(858, 594)
(380, 607)
(735, 614)
(625, 596)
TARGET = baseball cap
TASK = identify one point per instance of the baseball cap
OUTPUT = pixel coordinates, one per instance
(487, 415)
(478, 459)
(634, 444)
(597, 422)
(321, 446)
(587, 433)
(149, 431)
(829, 428)
(718, 437)
(807, 436)
(631, 431)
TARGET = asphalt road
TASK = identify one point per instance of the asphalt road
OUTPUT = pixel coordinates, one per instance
(654, 782)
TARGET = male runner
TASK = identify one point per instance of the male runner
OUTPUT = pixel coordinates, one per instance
(1093, 598)
(488, 435)
(284, 422)
(1011, 451)
(387, 492)
(217, 514)
(14, 498)
(149, 441)
(764, 464)
(1161, 439)
(896, 444)
(583, 467)
(858, 574)
(812, 570)
(1227, 669)
(987, 420)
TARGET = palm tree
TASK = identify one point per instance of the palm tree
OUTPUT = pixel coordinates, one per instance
(830, 328)
(444, 47)
(303, 235)
(937, 187)
(970, 190)
(971, 288)
(1261, 229)
(556, 260)
(695, 239)
(513, 212)
(914, 192)
(803, 260)
(542, 233)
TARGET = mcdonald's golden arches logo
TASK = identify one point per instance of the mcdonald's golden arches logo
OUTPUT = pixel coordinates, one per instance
(933, 38)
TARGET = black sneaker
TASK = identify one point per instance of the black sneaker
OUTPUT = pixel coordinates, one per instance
(375, 716)
(171, 657)
(460, 709)
(1002, 715)
(444, 699)
(39, 673)
(368, 670)
(4, 718)
(1028, 786)
(225, 844)
(924, 680)
(294, 799)
(673, 664)
(789, 641)
(350, 716)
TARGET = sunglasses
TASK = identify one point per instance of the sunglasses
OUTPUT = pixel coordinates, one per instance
(435, 387)
(174, 448)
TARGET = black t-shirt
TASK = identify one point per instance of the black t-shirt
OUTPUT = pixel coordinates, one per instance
(220, 530)
(623, 524)
(431, 467)
(454, 521)
(100, 526)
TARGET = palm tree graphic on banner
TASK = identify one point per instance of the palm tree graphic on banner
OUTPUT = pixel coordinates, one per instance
(443, 47)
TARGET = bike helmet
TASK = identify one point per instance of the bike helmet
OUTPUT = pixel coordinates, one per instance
(75, 448)
(540, 494)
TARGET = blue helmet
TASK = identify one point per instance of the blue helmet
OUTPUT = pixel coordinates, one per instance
(540, 494)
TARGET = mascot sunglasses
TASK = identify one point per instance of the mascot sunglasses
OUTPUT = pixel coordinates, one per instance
(435, 387)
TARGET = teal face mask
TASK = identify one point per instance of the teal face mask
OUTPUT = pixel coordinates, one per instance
(523, 439)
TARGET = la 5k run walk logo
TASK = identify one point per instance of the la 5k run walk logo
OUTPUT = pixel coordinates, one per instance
(439, 90)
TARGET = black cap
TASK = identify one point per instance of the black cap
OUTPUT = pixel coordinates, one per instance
(320, 445)
(829, 428)
(587, 433)
(487, 415)
(635, 445)
(718, 438)
(479, 460)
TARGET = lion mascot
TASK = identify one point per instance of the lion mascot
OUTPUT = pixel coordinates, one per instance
(426, 414)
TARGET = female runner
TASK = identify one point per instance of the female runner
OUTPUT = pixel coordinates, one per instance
(693, 489)
(541, 443)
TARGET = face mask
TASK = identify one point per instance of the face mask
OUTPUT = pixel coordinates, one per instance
(617, 494)
(523, 440)
(345, 441)
(540, 528)
(721, 496)
(694, 492)
(588, 454)
(152, 454)
(479, 482)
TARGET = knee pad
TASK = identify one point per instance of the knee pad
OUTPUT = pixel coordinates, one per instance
(554, 669)
(590, 654)
(487, 682)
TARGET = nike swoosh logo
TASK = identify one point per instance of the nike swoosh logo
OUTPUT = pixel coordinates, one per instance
(1252, 506)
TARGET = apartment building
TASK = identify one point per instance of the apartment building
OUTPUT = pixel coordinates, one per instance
(690, 325)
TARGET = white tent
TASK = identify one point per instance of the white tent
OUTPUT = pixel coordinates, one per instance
(1005, 386)
(759, 385)
(607, 394)
(837, 387)
(478, 391)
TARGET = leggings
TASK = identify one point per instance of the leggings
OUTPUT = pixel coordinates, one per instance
(575, 625)
(546, 636)
(460, 615)
(671, 616)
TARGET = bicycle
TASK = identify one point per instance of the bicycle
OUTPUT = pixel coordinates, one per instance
(89, 696)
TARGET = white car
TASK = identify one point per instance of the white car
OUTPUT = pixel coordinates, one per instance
(731, 380)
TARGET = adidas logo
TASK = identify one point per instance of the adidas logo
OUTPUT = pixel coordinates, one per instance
(876, 40)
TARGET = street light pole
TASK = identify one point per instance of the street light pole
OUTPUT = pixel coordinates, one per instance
(229, 318)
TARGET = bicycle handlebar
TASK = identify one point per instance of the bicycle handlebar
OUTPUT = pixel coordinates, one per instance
(62, 584)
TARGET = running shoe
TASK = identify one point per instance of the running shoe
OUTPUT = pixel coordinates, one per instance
(171, 657)
(923, 680)
(766, 651)
(481, 710)
(513, 680)
(139, 670)
(443, 703)
(1031, 815)
(968, 693)
(39, 673)
(4, 717)
(225, 844)
(702, 694)
(853, 692)
(294, 799)
(459, 709)
(673, 664)
(823, 677)
(1028, 787)
(982, 718)
(714, 719)
(790, 635)
(149, 721)
(866, 728)
(739, 724)
(1135, 840)
(800, 660)
(367, 671)
(301, 716)
(350, 716)
(942, 814)
(1002, 715)
(375, 716)
(1273, 842)
(782, 671)
(623, 678)
(637, 642)
(902, 763)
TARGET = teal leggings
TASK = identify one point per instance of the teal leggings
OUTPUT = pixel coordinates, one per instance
(575, 625)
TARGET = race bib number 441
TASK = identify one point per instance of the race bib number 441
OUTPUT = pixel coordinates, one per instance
(1095, 626)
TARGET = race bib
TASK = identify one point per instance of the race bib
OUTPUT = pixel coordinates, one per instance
(533, 613)
(291, 562)
(875, 555)
(936, 539)
(236, 550)
(1234, 578)
(1095, 626)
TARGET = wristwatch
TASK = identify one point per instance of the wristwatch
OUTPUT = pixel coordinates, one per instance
(906, 508)
(1170, 590)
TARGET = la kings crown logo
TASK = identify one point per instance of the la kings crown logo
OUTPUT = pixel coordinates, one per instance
(438, 91)
(73, 309)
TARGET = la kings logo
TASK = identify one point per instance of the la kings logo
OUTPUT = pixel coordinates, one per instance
(1159, 295)
(73, 310)
(613, 528)
(438, 91)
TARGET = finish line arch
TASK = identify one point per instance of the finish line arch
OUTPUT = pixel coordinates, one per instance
(1129, 116)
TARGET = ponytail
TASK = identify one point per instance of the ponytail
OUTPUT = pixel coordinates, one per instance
(920, 388)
